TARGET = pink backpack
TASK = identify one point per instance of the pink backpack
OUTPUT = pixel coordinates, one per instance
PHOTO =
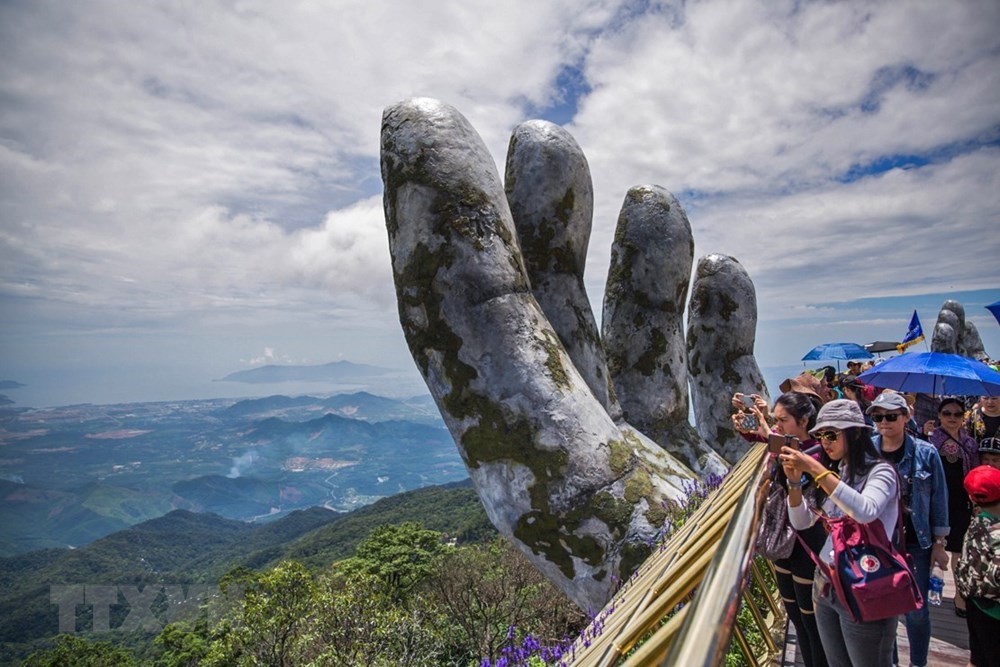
(870, 575)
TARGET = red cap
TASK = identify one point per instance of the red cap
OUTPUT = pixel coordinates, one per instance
(983, 485)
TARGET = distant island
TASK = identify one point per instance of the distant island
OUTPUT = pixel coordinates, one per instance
(337, 371)
(10, 384)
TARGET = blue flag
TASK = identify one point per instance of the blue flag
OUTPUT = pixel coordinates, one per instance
(914, 335)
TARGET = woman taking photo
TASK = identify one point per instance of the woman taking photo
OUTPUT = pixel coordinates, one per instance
(849, 477)
(794, 414)
(959, 455)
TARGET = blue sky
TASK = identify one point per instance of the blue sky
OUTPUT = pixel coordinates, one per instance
(190, 189)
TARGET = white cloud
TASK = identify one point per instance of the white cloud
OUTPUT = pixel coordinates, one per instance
(176, 164)
(764, 107)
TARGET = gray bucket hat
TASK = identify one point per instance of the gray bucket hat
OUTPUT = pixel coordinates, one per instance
(841, 413)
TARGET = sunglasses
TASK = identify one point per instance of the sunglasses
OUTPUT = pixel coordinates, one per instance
(891, 417)
(945, 413)
(829, 436)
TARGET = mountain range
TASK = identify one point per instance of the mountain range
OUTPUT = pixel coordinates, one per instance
(71, 475)
(336, 371)
(183, 548)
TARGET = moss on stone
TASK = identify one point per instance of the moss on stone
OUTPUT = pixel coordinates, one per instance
(656, 515)
(553, 360)
(615, 512)
(550, 535)
(564, 209)
(619, 458)
(638, 486)
(727, 306)
(633, 554)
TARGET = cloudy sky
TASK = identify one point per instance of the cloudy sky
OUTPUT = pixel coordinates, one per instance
(192, 188)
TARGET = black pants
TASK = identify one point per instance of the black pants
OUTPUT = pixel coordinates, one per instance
(984, 636)
(795, 581)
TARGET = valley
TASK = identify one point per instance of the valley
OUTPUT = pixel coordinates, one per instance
(73, 474)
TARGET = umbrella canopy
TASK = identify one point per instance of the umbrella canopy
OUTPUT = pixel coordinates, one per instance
(837, 351)
(935, 373)
(881, 346)
(995, 309)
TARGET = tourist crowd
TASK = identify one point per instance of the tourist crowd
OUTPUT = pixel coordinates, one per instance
(850, 457)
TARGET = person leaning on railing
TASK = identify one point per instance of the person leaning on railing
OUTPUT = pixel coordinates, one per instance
(794, 414)
(850, 477)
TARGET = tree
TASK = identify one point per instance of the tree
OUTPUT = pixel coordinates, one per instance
(485, 590)
(399, 556)
(72, 651)
(183, 644)
(278, 608)
(359, 623)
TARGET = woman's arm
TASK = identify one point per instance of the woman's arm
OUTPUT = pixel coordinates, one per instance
(868, 504)
(795, 465)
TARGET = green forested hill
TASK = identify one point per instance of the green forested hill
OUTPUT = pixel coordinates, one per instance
(184, 547)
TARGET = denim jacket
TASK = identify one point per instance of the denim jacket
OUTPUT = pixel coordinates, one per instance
(928, 491)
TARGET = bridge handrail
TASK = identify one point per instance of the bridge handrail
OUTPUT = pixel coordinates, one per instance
(713, 553)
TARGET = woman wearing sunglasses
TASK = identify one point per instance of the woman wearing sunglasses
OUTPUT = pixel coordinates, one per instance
(849, 477)
(925, 498)
(959, 455)
(794, 414)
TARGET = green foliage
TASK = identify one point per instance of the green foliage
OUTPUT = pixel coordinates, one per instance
(289, 617)
(184, 547)
(277, 609)
(399, 556)
(460, 603)
(72, 651)
(386, 634)
(486, 590)
(183, 644)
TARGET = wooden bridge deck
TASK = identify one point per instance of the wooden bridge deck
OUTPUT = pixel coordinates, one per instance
(949, 635)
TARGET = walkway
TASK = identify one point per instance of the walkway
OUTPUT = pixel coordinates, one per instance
(949, 636)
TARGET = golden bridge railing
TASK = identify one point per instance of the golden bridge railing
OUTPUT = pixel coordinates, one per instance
(681, 606)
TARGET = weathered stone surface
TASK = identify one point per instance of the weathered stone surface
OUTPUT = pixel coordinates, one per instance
(577, 493)
(722, 326)
(945, 338)
(551, 198)
(953, 334)
(970, 342)
(642, 324)
(496, 318)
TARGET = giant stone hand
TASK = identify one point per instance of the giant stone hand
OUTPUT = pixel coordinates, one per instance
(574, 441)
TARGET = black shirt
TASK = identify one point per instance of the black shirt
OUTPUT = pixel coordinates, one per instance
(895, 458)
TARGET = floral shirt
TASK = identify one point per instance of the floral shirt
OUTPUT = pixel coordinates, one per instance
(964, 447)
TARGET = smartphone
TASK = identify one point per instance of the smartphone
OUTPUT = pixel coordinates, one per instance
(775, 441)
(749, 423)
(747, 400)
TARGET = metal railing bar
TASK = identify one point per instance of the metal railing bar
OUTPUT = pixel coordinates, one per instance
(706, 633)
(758, 618)
(744, 646)
(758, 577)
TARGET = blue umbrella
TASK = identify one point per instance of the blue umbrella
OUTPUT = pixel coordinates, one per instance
(837, 351)
(935, 373)
(995, 309)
